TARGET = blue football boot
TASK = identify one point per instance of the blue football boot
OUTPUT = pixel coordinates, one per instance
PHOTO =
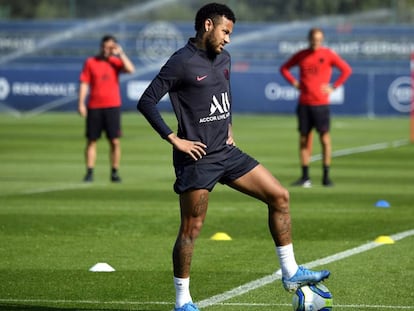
(304, 277)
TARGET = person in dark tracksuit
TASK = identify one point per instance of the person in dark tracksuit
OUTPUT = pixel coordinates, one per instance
(197, 78)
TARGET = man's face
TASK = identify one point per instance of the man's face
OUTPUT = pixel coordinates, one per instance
(219, 36)
(316, 40)
(107, 48)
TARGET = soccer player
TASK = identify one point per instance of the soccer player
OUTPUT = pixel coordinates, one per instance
(100, 78)
(197, 79)
(315, 69)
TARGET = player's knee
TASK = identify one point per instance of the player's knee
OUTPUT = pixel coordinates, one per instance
(192, 229)
(284, 199)
(280, 200)
(197, 226)
(91, 143)
(304, 139)
(115, 142)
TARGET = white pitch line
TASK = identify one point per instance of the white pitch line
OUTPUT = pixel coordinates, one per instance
(48, 189)
(338, 153)
(86, 302)
(56, 188)
(367, 148)
(240, 290)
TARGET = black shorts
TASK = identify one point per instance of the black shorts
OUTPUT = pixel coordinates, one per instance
(105, 119)
(310, 117)
(198, 175)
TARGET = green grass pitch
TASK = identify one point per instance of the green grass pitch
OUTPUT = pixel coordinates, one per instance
(53, 227)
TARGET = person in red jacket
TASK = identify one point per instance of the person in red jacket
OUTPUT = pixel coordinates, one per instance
(100, 78)
(314, 84)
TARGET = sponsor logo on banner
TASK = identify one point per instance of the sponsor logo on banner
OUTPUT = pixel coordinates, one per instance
(274, 91)
(399, 94)
(337, 97)
(135, 89)
(370, 48)
(4, 88)
(158, 41)
(26, 88)
(23, 88)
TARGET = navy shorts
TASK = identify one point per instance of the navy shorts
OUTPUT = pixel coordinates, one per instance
(105, 119)
(310, 117)
(198, 175)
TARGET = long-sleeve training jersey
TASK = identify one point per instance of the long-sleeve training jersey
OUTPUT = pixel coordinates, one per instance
(315, 70)
(199, 91)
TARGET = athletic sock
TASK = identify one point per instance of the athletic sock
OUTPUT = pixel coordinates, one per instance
(287, 260)
(325, 172)
(114, 170)
(89, 170)
(305, 172)
(182, 291)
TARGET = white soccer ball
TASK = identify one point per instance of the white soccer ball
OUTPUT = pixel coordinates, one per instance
(315, 297)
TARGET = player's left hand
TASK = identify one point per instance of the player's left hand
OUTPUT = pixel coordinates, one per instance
(327, 89)
(230, 141)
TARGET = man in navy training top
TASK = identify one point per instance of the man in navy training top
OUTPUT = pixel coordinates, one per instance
(197, 79)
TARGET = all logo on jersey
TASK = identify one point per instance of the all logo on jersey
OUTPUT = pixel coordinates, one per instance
(219, 109)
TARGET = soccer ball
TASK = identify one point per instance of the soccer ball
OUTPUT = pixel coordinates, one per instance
(316, 297)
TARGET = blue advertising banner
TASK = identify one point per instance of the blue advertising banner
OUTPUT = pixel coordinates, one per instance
(364, 94)
(27, 89)
(40, 64)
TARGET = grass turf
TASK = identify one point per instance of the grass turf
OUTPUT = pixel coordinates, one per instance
(53, 227)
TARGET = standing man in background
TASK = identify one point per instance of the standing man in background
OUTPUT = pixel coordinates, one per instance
(315, 70)
(100, 78)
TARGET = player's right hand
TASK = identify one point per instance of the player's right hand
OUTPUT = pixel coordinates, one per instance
(195, 149)
(82, 110)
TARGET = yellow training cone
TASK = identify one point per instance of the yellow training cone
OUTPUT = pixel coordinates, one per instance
(384, 239)
(221, 236)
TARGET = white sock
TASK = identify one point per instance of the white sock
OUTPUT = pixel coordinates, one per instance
(182, 291)
(287, 260)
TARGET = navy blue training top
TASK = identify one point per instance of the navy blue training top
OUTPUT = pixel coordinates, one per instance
(199, 90)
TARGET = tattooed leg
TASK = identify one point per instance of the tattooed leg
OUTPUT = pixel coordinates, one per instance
(193, 205)
(261, 184)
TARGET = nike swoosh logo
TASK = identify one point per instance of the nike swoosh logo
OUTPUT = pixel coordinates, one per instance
(201, 78)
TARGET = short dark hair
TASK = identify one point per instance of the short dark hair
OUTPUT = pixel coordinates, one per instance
(314, 30)
(213, 11)
(107, 38)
